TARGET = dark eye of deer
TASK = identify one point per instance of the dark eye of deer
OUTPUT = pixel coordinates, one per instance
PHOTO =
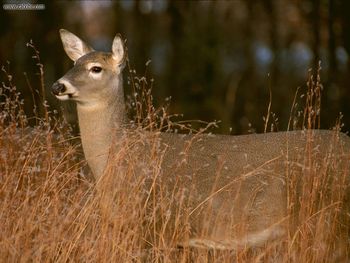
(96, 69)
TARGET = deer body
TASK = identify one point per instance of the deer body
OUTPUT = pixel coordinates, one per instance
(238, 179)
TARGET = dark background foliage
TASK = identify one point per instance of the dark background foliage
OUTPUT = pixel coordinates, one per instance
(216, 59)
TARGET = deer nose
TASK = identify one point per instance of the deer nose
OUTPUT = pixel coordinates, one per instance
(58, 88)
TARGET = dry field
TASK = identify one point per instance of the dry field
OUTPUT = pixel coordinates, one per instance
(51, 211)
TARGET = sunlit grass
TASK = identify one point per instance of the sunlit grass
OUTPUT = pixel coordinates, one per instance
(50, 211)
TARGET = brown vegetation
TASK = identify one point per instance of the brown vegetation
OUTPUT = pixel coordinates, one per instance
(50, 212)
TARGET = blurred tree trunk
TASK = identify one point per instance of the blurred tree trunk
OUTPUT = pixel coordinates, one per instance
(274, 43)
(4, 30)
(142, 41)
(345, 7)
(331, 81)
(315, 19)
(176, 37)
(345, 93)
(246, 83)
(333, 67)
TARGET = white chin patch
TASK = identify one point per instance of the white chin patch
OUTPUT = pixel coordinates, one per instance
(63, 97)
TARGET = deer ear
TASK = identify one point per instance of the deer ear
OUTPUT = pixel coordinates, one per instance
(118, 49)
(73, 45)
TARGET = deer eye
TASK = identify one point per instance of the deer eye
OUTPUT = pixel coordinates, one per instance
(96, 69)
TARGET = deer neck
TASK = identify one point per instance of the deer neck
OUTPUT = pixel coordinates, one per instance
(99, 127)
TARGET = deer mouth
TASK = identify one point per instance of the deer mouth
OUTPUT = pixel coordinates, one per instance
(64, 96)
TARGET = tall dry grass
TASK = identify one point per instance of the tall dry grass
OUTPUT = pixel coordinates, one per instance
(50, 212)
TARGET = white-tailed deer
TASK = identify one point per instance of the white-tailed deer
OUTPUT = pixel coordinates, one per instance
(242, 180)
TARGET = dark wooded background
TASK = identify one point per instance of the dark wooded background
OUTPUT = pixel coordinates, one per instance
(216, 59)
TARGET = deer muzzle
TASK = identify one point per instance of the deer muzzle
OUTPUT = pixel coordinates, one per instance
(58, 88)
